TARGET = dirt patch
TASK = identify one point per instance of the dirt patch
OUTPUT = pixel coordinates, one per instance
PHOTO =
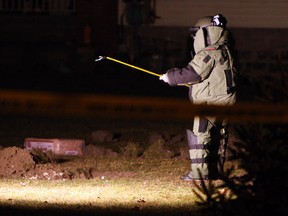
(99, 151)
(15, 162)
(18, 162)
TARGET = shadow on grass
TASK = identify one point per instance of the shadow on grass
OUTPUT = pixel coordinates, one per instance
(263, 154)
(88, 210)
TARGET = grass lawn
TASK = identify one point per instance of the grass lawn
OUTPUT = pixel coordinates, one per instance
(126, 184)
(130, 186)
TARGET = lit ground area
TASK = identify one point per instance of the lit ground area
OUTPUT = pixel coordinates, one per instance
(128, 167)
(153, 187)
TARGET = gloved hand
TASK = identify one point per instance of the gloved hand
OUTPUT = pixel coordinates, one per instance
(164, 78)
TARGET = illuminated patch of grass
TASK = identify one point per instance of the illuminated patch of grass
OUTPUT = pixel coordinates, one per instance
(103, 193)
(145, 185)
(141, 178)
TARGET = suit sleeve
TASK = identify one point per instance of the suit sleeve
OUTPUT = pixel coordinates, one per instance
(195, 72)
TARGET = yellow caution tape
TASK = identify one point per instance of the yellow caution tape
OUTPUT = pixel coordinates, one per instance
(105, 106)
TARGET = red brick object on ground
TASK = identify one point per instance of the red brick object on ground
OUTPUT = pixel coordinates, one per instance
(56, 146)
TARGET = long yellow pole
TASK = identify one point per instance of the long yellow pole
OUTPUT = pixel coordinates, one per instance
(129, 65)
(133, 66)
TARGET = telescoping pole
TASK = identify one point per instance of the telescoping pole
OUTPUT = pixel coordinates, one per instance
(129, 65)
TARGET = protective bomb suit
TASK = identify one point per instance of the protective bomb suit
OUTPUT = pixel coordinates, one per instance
(210, 76)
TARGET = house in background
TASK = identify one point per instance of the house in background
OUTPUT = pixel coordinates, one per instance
(54, 42)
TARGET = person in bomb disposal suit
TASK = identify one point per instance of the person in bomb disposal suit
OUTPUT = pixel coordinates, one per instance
(211, 79)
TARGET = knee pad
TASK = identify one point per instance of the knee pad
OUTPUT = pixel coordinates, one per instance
(192, 139)
(193, 142)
